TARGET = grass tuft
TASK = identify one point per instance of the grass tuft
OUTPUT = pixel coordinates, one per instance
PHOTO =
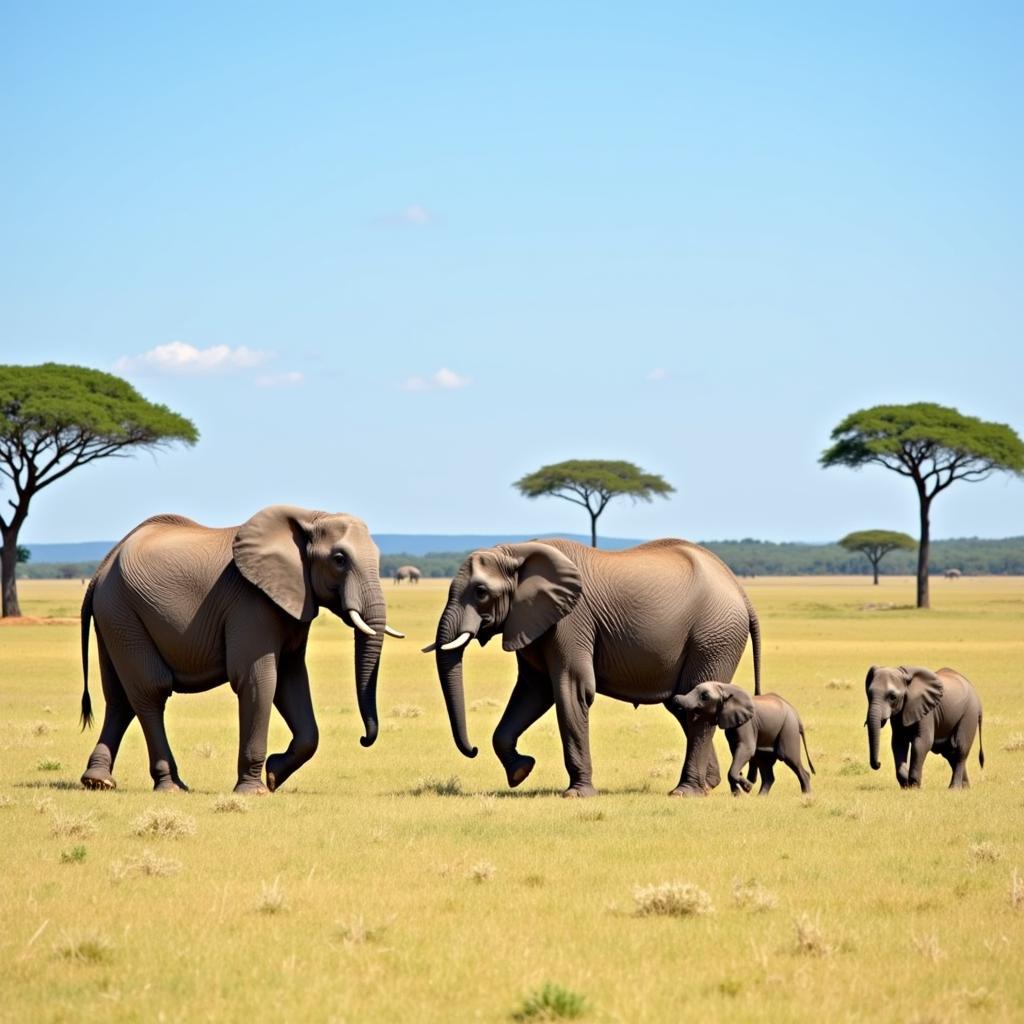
(231, 803)
(983, 853)
(205, 750)
(271, 899)
(1015, 743)
(928, 946)
(672, 899)
(406, 711)
(357, 931)
(73, 855)
(83, 948)
(483, 871)
(1016, 890)
(49, 765)
(72, 826)
(751, 895)
(551, 1002)
(811, 940)
(839, 684)
(163, 822)
(40, 728)
(452, 786)
(149, 864)
(484, 703)
(5, 800)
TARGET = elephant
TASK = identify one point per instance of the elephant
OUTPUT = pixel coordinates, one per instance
(407, 572)
(640, 625)
(929, 711)
(760, 730)
(953, 574)
(182, 608)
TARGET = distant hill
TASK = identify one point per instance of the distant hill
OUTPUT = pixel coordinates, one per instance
(439, 554)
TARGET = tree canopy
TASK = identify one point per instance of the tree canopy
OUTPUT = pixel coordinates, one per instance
(876, 544)
(593, 483)
(931, 444)
(56, 418)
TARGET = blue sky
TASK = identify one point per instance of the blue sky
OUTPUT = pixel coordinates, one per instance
(390, 257)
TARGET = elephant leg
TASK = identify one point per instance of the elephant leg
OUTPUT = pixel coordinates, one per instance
(958, 764)
(256, 689)
(767, 765)
(700, 764)
(575, 688)
(147, 683)
(531, 697)
(743, 752)
(292, 699)
(117, 716)
(919, 748)
(900, 755)
(793, 763)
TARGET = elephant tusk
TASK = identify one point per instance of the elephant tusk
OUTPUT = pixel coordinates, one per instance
(394, 632)
(460, 641)
(428, 648)
(357, 621)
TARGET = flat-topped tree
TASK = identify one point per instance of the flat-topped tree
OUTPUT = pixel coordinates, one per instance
(876, 544)
(54, 419)
(931, 444)
(592, 483)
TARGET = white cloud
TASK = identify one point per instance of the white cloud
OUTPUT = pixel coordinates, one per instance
(658, 373)
(291, 379)
(180, 357)
(444, 379)
(415, 215)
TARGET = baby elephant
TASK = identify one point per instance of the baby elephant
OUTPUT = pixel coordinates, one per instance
(928, 711)
(761, 730)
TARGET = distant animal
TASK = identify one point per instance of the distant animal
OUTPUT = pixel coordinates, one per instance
(928, 711)
(407, 572)
(760, 730)
(640, 625)
(181, 608)
(953, 574)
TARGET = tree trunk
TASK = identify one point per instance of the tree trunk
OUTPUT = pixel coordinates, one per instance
(922, 553)
(874, 565)
(8, 573)
(593, 529)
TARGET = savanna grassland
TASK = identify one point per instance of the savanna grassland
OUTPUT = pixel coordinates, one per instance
(405, 882)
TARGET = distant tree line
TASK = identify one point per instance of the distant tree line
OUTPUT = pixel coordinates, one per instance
(971, 555)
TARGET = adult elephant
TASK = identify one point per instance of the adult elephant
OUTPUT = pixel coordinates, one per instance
(181, 608)
(407, 572)
(641, 625)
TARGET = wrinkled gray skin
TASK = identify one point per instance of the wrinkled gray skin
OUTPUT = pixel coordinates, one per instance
(760, 730)
(928, 711)
(407, 572)
(181, 608)
(640, 625)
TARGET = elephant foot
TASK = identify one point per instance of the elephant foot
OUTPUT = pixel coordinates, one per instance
(519, 770)
(170, 786)
(248, 787)
(276, 771)
(740, 785)
(579, 790)
(97, 779)
(688, 790)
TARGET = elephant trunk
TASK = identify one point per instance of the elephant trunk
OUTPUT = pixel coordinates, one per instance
(449, 671)
(368, 649)
(874, 723)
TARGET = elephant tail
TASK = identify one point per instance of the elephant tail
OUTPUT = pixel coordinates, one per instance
(755, 642)
(810, 763)
(981, 748)
(86, 719)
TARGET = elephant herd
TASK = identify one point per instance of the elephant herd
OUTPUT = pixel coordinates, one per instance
(180, 608)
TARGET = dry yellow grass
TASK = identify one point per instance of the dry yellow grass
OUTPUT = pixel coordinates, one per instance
(406, 882)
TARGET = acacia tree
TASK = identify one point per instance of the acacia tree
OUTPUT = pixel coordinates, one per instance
(931, 444)
(876, 544)
(592, 483)
(54, 419)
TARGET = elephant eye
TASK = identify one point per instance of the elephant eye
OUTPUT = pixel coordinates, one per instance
(891, 698)
(338, 558)
(482, 593)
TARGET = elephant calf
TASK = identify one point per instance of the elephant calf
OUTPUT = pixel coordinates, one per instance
(760, 730)
(929, 711)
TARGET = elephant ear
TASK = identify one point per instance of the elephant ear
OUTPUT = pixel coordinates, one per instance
(736, 708)
(870, 676)
(270, 551)
(547, 589)
(923, 693)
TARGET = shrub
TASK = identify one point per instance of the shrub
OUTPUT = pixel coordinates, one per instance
(150, 864)
(552, 1002)
(73, 855)
(672, 899)
(164, 823)
(71, 826)
(752, 895)
(231, 803)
